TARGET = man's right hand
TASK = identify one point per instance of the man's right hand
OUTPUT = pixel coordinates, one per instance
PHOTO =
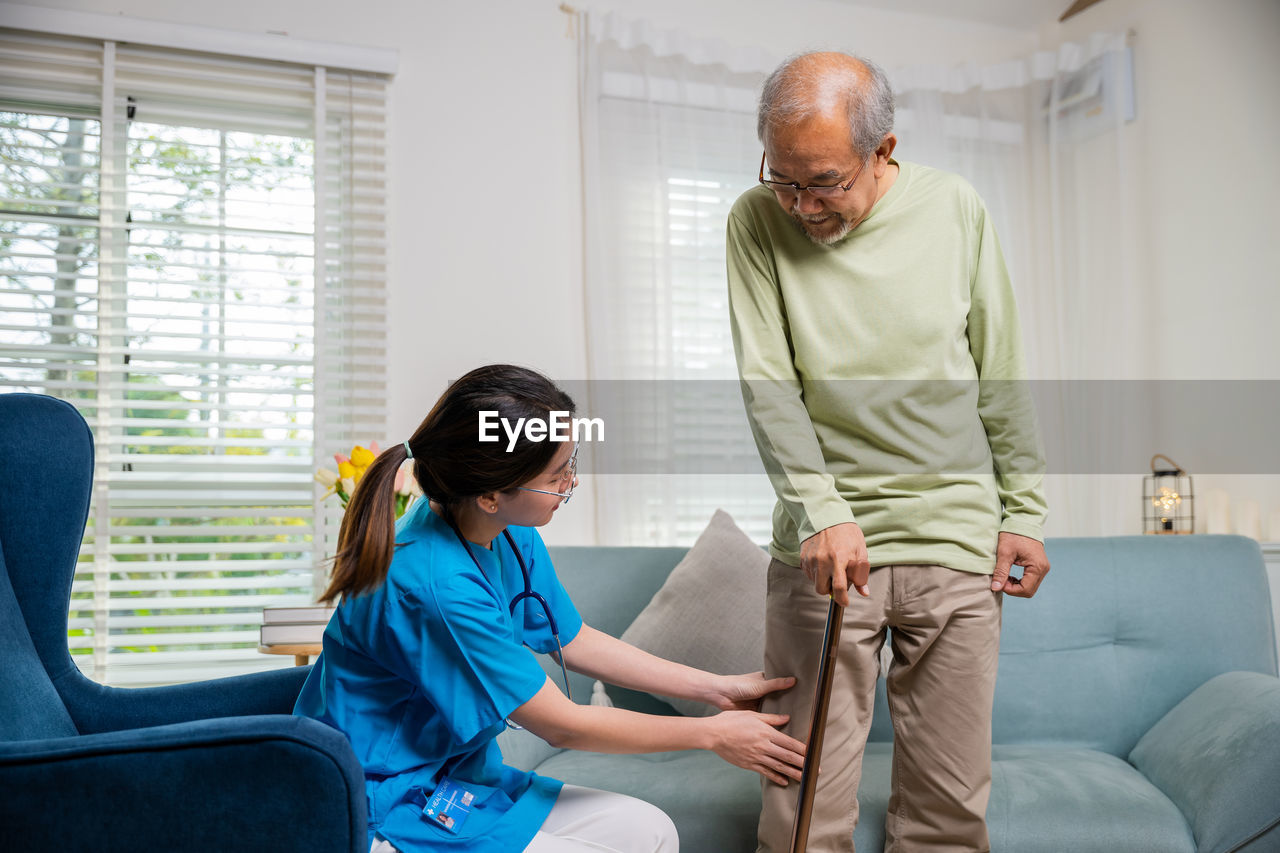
(836, 560)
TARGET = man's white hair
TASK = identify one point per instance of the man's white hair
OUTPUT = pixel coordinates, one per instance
(800, 88)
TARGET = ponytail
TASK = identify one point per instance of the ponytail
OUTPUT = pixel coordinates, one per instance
(451, 466)
(367, 538)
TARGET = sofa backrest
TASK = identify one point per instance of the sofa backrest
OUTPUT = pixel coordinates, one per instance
(1125, 628)
(610, 586)
(1122, 630)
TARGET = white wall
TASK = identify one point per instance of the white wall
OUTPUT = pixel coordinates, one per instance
(1205, 177)
(485, 226)
(1203, 151)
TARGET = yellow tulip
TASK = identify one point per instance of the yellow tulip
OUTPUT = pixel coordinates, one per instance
(346, 470)
(361, 457)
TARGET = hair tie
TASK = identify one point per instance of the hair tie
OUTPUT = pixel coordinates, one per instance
(408, 449)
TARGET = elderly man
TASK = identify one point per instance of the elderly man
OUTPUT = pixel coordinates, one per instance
(879, 351)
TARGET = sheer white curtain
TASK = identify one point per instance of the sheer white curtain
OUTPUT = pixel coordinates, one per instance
(668, 132)
(1041, 139)
(669, 144)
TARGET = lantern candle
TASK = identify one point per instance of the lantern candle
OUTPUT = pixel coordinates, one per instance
(1168, 500)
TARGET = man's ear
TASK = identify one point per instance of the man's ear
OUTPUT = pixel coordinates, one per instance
(884, 152)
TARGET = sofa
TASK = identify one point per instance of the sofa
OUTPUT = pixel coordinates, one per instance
(1137, 707)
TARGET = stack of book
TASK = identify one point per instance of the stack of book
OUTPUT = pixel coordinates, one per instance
(294, 626)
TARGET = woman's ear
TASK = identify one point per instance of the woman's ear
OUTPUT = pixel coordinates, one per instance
(488, 502)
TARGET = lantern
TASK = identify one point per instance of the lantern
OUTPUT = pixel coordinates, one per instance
(1168, 501)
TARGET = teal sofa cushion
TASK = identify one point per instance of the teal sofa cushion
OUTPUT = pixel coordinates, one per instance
(1203, 754)
(1040, 796)
(715, 805)
(1048, 800)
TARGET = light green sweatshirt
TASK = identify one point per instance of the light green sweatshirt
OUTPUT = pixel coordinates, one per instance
(884, 378)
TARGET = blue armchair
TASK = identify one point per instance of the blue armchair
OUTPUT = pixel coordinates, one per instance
(214, 765)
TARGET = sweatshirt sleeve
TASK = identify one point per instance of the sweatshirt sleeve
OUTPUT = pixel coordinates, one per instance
(771, 388)
(1004, 398)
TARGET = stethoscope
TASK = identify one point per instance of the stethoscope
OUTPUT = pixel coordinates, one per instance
(521, 596)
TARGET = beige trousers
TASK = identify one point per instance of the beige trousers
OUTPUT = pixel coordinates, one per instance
(946, 639)
(585, 820)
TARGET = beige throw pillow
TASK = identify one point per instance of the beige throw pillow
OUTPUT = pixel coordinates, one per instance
(710, 612)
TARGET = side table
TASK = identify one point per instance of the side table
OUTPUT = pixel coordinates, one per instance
(302, 652)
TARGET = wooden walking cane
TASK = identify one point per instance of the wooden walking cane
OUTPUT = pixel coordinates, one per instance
(817, 727)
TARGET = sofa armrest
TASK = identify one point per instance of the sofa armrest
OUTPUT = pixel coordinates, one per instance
(97, 708)
(249, 783)
(1216, 754)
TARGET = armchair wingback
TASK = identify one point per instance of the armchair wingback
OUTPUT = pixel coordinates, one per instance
(214, 765)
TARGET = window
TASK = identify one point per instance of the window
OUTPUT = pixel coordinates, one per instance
(670, 145)
(191, 252)
(676, 147)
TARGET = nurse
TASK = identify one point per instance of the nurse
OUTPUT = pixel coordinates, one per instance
(428, 657)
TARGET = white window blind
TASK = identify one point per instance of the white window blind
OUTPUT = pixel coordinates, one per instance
(192, 252)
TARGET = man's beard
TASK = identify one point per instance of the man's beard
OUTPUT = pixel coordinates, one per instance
(825, 239)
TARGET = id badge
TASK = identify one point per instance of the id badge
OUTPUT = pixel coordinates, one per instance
(449, 806)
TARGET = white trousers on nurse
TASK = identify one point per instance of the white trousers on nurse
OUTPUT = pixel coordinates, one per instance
(585, 820)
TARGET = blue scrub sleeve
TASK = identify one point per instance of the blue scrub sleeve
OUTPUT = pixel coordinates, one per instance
(542, 577)
(455, 642)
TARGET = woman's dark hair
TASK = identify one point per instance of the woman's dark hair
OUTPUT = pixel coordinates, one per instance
(450, 463)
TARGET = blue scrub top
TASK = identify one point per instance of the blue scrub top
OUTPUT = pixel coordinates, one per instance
(421, 673)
